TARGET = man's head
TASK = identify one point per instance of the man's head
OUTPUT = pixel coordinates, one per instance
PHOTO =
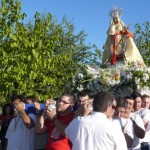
(129, 104)
(145, 101)
(84, 96)
(15, 101)
(65, 103)
(31, 99)
(121, 105)
(103, 102)
(137, 101)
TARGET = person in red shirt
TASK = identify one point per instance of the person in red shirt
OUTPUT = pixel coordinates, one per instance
(64, 107)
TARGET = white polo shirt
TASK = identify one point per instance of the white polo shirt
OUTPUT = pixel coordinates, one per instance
(136, 141)
(144, 113)
(125, 125)
(95, 132)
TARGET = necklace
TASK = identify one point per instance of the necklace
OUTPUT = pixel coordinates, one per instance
(16, 122)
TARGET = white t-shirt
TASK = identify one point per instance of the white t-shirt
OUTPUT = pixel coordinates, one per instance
(20, 138)
(95, 132)
(145, 115)
(136, 141)
(125, 125)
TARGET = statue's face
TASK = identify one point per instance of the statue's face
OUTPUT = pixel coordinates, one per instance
(115, 20)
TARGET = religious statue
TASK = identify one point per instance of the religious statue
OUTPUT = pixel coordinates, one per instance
(119, 46)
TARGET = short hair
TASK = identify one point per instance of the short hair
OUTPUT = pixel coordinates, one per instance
(102, 100)
(128, 97)
(84, 93)
(70, 95)
(134, 95)
(145, 96)
(121, 102)
(20, 97)
(33, 98)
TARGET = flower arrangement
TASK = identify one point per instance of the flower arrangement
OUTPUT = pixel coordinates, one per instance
(117, 79)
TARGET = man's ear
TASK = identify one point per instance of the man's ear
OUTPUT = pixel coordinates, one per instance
(107, 111)
(72, 104)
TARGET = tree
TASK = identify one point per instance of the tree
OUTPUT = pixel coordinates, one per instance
(142, 40)
(39, 57)
(10, 17)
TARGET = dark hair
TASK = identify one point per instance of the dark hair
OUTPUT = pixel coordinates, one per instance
(4, 109)
(70, 95)
(33, 98)
(102, 100)
(120, 102)
(20, 97)
(135, 95)
(145, 96)
(128, 97)
(84, 93)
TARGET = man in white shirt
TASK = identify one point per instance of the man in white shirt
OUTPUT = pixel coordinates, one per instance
(21, 132)
(146, 101)
(122, 122)
(95, 131)
(145, 115)
(138, 124)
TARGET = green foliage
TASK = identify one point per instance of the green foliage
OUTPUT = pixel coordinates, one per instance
(39, 57)
(142, 40)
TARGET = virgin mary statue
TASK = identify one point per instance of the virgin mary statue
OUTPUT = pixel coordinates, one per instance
(119, 46)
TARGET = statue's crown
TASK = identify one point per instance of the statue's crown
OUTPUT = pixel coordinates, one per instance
(116, 12)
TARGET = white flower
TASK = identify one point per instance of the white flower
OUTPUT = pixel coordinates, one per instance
(92, 70)
(137, 80)
(138, 69)
(106, 78)
(112, 82)
(145, 77)
(129, 76)
(145, 90)
(95, 76)
(80, 76)
(80, 87)
(73, 80)
(138, 87)
(148, 69)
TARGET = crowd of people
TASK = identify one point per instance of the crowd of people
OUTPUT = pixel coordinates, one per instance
(87, 122)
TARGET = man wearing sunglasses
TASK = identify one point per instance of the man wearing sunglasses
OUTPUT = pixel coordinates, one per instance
(56, 140)
(95, 131)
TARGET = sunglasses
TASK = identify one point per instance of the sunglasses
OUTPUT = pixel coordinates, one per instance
(61, 101)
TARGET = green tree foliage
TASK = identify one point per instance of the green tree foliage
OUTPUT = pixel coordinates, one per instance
(142, 40)
(39, 57)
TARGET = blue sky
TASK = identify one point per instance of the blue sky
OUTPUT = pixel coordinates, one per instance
(92, 16)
